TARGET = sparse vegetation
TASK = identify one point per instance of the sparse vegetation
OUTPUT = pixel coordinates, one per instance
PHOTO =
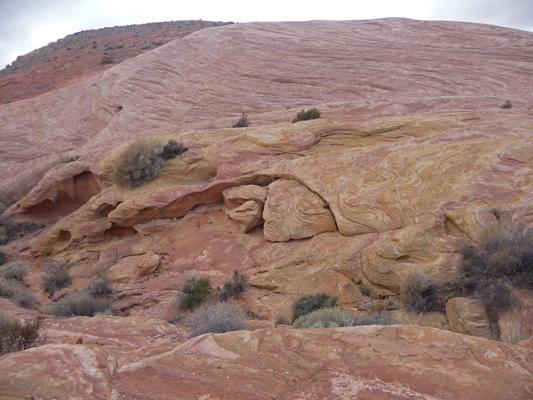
(16, 270)
(14, 290)
(281, 319)
(307, 304)
(217, 318)
(236, 284)
(194, 291)
(67, 159)
(303, 115)
(9, 230)
(507, 104)
(419, 293)
(334, 317)
(79, 303)
(172, 149)
(100, 287)
(19, 335)
(243, 122)
(47, 250)
(3, 258)
(107, 60)
(143, 159)
(55, 278)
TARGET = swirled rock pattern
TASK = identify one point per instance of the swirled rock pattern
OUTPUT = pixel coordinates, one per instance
(293, 212)
(412, 156)
(468, 316)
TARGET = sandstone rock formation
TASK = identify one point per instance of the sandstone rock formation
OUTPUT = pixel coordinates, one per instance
(405, 362)
(293, 212)
(410, 158)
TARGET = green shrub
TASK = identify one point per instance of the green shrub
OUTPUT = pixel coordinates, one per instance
(303, 115)
(3, 258)
(55, 278)
(47, 251)
(243, 122)
(419, 293)
(335, 317)
(16, 270)
(236, 284)
(79, 304)
(507, 104)
(19, 335)
(12, 289)
(143, 159)
(194, 292)
(217, 318)
(307, 304)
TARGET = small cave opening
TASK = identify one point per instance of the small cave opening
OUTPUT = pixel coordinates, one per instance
(64, 237)
(122, 231)
(86, 185)
(104, 210)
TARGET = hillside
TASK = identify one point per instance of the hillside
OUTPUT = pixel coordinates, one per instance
(80, 55)
(421, 156)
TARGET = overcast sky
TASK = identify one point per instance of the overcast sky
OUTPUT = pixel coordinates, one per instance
(26, 25)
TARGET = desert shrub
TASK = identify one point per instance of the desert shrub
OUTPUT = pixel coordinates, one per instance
(8, 230)
(67, 159)
(500, 256)
(419, 293)
(79, 304)
(194, 292)
(307, 304)
(12, 289)
(107, 60)
(3, 258)
(172, 149)
(143, 159)
(335, 317)
(364, 290)
(55, 278)
(100, 287)
(282, 320)
(243, 122)
(139, 163)
(16, 270)
(217, 318)
(507, 104)
(19, 335)
(236, 284)
(303, 115)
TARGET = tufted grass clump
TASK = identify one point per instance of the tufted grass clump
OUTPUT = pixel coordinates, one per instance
(16, 270)
(143, 159)
(14, 290)
(237, 284)
(419, 293)
(194, 291)
(307, 304)
(56, 277)
(18, 335)
(243, 122)
(217, 318)
(334, 317)
(100, 287)
(79, 303)
(303, 115)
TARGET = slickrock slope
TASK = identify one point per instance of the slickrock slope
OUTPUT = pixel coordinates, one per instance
(413, 155)
(373, 362)
(79, 56)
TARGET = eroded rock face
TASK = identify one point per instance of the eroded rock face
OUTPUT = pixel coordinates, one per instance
(399, 361)
(468, 316)
(294, 212)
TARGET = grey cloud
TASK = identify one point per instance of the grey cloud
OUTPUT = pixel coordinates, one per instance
(516, 14)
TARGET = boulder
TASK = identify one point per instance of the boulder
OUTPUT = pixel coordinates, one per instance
(468, 316)
(293, 212)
